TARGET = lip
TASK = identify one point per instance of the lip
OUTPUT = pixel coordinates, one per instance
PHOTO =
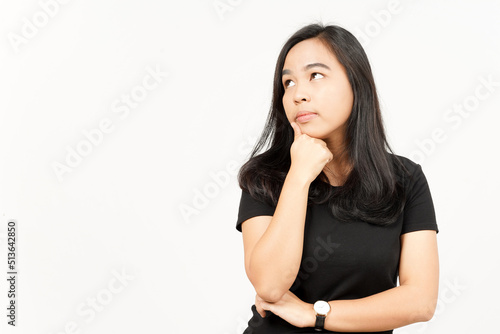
(305, 116)
(300, 113)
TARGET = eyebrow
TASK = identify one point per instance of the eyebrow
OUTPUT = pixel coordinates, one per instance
(308, 66)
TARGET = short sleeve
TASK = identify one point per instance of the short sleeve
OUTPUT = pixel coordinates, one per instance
(419, 211)
(250, 207)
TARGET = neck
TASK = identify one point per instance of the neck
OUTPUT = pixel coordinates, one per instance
(338, 169)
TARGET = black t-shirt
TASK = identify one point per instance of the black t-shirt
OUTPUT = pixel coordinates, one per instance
(345, 260)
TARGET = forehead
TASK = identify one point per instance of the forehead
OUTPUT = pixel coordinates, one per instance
(309, 51)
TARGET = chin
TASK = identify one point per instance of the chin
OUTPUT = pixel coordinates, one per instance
(315, 134)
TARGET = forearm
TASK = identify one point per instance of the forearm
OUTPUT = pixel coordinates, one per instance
(276, 257)
(390, 309)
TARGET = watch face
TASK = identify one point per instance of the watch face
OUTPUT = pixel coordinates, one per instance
(321, 307)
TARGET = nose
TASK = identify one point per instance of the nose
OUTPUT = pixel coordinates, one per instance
(301, 95)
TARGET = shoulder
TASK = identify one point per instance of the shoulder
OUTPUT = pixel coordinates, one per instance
(252, 205)
(408, 163)
(409, 174)
(419, 213)
(406, 168)
(257, 195)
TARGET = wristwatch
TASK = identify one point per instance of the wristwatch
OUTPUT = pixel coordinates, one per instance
(322, 308)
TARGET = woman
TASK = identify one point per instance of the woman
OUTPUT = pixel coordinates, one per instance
(329, 217)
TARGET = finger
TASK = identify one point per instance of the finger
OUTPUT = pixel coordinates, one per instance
(260, 310)
(296, 129)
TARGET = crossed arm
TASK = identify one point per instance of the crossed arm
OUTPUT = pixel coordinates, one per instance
(414, 300)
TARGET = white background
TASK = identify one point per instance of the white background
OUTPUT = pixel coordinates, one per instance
(119, 209)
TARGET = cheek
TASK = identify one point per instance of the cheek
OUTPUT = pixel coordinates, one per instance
(341, 97)
(347, 94)
(286, 108)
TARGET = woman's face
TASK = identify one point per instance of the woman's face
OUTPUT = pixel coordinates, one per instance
(315, 81)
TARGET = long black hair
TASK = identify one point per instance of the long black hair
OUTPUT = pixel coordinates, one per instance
(374, 190)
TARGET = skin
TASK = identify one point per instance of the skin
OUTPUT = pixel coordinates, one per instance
(325, 91)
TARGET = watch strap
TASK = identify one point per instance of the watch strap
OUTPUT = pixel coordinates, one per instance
(320, 322)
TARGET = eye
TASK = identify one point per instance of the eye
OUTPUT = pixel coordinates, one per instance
(317, 73)
(312, 75)
(286, 83)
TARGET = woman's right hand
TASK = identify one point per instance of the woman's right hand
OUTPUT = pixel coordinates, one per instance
(309, 155)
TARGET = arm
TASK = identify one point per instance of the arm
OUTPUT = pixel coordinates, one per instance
(273, 253)
(414, 300)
